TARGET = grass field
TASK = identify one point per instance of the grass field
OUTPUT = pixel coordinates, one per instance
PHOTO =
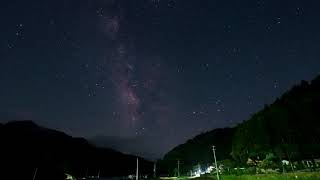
(301, 176)
(289, 176)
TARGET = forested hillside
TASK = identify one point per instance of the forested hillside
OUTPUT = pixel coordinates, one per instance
(289, 128)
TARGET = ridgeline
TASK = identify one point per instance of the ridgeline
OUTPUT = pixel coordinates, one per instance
(26, 147)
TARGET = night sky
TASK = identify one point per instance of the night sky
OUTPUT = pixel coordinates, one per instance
(151, 72)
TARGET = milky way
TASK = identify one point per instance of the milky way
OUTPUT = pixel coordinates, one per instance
(154, 72)
(121, 71)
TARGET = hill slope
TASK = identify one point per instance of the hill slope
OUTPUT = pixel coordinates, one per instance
(26, 146)
(288, 128)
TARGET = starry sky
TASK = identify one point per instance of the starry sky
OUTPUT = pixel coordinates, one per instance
(151, 72)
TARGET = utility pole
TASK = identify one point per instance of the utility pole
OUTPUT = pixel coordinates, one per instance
(137, 171)
(178, 168)
(215, 161)
(35, 174)
(154, 169)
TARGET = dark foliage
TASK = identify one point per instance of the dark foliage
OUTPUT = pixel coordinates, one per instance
(289, 128)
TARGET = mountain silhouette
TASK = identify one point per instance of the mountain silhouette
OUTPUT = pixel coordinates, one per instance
(27, 147)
